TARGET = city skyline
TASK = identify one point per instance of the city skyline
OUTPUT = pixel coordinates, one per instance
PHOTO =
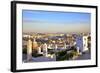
(53, 22)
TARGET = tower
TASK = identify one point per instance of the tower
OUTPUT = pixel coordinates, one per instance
(65, 46)
(56, 46)
(29, 49)
(45, 50)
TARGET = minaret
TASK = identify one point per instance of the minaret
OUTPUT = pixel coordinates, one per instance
(65, 46)
(56, 46)
(39, 50)
(45, 50)
(29, 49)
(78, 50)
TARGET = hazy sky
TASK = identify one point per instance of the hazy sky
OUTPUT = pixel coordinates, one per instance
(53, 22)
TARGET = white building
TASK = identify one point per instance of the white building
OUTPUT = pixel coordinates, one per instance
(85, 43)
(82, 43)
(26, 36)
(49, 46)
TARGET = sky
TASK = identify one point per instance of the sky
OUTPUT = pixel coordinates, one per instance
(55, 22)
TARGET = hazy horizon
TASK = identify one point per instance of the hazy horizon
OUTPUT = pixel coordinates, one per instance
(55, 22)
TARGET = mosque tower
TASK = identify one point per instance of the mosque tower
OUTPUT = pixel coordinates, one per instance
(29, 49)
(45, 50)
